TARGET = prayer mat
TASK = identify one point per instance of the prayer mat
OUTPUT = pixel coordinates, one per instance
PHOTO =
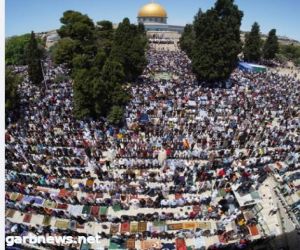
(158, 226)
(134, 227)
(27, 199)
(180, 244)
(117, 207)
(64, 193)
(62, 206)
(86, 209)
(103, 210)
(204, 225)
(49, 204)
(151, 244)
(176, 226)
(130, 244)
(253, 230)
(10, 213)
(62, 224)
(142, 226)
(114, 228)
(47, 220)
(38, 201)
(95, 211)
(125, 227)
(189, 225)
(27, 218)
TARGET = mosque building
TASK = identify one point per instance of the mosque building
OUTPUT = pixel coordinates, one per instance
(154, 17)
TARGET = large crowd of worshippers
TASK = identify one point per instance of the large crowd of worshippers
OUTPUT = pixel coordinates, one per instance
(180, 146)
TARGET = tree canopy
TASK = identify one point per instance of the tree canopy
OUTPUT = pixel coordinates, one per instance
(129, 49)
(253, 43)
(11, 92)
(187, 39)
(215, 44)
(15, 49)
(101, 60)
(290, 52)
(271, 46)
(33, 59)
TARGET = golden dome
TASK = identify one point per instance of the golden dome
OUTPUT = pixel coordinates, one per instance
(152, 10)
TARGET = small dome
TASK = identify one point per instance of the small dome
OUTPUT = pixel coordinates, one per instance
(152, 10)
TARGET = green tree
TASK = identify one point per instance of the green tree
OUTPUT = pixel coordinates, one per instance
(12, 99)
(11, 90)
(113, 71)
(101, 60)
(76, 26)
(253, 43)
(105, 34)
(291, 51)
(82, 61)
(115, 115)
(83, 93)
(15, 49)
(217, 41)
(271, 46)
(113, 76)
(187, 39)
(64, 51)
(33, 58)
(129, 49)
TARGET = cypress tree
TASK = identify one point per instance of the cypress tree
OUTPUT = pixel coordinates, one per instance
(217, 41)
(129, 49)
(33, 59)
(187, 39)
(102, 60)
(271, 46)
(253, 43)
(11, 93)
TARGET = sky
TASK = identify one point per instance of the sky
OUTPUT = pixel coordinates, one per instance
(23, 16)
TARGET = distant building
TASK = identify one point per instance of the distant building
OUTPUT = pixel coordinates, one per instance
(154, 17)
(52, 38)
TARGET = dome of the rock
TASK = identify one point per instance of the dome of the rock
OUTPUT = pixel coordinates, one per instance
(152, 10)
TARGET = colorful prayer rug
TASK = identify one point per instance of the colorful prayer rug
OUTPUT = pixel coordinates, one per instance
(62, 224)
(151, 244)
(125, 227)
(27, 218)
(133, 227)
(47, 220)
